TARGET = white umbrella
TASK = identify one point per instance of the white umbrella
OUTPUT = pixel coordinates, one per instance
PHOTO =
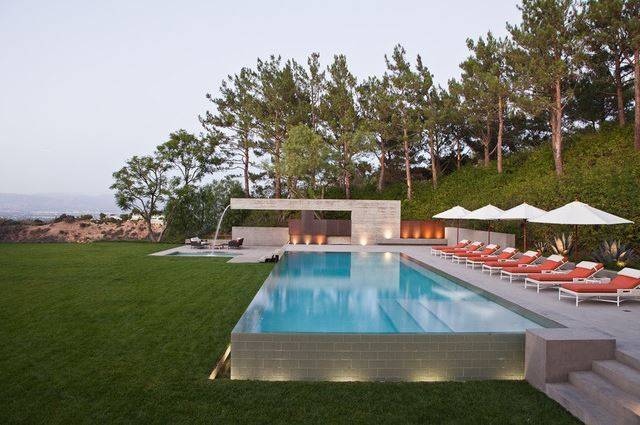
(578, 213)
(522, 212)
(455, 213)
(487, 213)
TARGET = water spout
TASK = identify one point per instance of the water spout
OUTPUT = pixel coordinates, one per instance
(215, 238)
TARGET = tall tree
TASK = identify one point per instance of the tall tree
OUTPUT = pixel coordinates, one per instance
(632, 19)
(544, 62)
(606, 31)
(279, 105)
(233, 123)
(376, 103)
(141, 186)
(485, 89)
(341, 119)
(305, 156)
(404, 85)
(191, 156)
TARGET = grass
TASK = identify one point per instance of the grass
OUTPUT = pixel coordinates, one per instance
(104, 333)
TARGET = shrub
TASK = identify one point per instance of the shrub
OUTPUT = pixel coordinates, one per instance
(614, 253)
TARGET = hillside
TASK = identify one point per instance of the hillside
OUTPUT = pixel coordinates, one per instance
(601, 169)
(74, 230)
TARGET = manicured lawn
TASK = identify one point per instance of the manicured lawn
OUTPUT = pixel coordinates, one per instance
(104, 333)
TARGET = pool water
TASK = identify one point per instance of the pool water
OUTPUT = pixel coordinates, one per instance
(367, 292)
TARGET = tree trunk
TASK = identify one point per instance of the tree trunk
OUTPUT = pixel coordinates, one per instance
(381, 176)
(636, 86)
(458, 154)
(485, 144)
(556, 129)
(152, 236)
(434, 164)
(500, 130)
(619, 92)
(347, 173)
(276, 163)
(407, 163)
(246, 171)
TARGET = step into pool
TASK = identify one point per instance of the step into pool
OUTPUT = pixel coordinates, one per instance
(375, 316)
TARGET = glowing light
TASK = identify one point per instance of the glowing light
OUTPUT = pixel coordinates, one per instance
(363, 241)
(387, 234)
(387, 257)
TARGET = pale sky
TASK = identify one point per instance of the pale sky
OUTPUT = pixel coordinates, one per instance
(84, 85)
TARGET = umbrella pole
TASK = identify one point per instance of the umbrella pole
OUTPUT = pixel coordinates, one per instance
(489, 236)
(524, 234)
(577, 249)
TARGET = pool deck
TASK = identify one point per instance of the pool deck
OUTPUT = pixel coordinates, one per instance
(621, 322)
(246, 254)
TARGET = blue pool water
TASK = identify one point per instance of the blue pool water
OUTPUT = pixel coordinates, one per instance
(369, 293)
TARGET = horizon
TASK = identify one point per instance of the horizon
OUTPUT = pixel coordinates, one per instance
(68, 69)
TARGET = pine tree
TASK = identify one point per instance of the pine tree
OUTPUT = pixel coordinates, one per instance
(544, 62)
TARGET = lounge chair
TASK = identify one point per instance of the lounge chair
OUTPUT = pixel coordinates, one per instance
(197, 243)
(584, 270)
(472, 247)
(494, 266)
(553, 262)
(625, 286)
(235, 243)
(505, 254)
(488, 250)
(437, 250)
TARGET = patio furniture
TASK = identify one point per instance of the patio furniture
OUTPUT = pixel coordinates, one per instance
(583, 271)
(235, 243)
(527, 258)
(437, 250)
(625, 286)
(488, 250)
(505, 254)
(472, 247)
(553, 262)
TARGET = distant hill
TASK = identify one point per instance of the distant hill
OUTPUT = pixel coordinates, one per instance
(50, 205)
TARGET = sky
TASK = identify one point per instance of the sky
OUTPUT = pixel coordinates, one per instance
(85, 85)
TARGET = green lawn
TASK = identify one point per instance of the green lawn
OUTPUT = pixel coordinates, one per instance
(104, 333)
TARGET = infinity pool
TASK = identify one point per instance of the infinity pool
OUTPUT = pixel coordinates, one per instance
(385, 293)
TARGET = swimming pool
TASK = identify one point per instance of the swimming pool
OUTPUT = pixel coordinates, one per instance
(376, 316)
(204, 254)
(368, 292)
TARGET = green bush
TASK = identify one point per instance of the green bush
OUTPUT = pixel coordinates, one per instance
(601, 168)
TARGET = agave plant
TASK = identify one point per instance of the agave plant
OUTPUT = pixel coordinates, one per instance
(541, 247)
(562, 245)
(614, 252)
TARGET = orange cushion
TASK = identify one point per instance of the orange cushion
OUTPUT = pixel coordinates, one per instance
(618, 282)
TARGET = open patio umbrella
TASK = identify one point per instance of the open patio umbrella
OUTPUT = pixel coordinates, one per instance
(522, 212)
(578, 213)
(487, 213)
(456, 213)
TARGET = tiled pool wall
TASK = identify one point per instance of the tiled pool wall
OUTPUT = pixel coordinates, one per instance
(377, 357)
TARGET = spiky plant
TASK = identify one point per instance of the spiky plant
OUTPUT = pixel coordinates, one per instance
(541, 247)
(614, 252)
(562, 245)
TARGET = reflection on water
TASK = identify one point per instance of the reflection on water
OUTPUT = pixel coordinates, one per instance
(369, 292)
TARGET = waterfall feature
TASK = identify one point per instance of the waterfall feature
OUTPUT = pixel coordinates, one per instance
(215, 238)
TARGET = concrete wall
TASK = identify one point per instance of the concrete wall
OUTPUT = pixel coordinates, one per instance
(261, 236)
(551, 354)
(376, 357)
(371, 221)
(502, 239)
